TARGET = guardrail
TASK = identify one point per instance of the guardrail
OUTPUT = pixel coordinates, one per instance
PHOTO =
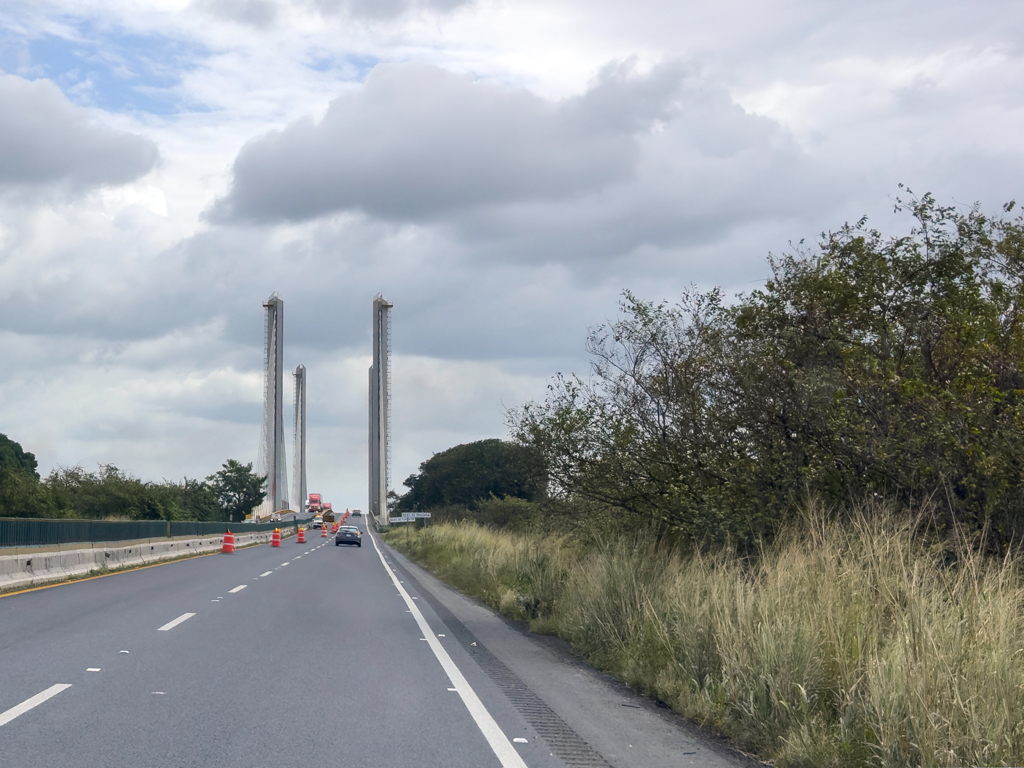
(34, 565)
(40, 532)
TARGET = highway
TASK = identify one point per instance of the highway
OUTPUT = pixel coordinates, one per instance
(303, 655)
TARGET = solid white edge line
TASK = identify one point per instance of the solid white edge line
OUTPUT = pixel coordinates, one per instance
(32, 703)
(239, 588)
(496, 738)
(176, 622)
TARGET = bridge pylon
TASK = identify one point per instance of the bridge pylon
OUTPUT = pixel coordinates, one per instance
(380, 411)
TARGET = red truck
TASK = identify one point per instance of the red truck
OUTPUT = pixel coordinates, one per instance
(314, 503)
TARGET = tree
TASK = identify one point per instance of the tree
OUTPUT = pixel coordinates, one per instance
(13, 457)
(870, 365)
(469, 473)
(112, 493)
(199, 500)
(21, 494)
(238, 489)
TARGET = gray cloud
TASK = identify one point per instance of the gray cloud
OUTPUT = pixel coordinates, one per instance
(45, 139)
(255, 13)
(417, 141)
(385, 9)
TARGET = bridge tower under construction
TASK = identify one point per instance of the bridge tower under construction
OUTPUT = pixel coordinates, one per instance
(299, 481)
(271, 460)
(380, 411)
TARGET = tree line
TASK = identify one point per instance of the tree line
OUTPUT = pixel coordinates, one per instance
(111, 493)
(867, 367)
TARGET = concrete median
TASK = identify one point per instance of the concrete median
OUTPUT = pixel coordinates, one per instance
(25, 567)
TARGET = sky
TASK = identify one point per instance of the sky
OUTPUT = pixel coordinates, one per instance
(501, 171)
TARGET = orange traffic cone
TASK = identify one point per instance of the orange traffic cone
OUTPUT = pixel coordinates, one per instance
(323, 531)
(275, 540)
(302, 535)
(229, 544)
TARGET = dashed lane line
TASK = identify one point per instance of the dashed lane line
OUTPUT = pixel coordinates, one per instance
(32, 703)
(172, 624)
(265, 573)
(239, 588)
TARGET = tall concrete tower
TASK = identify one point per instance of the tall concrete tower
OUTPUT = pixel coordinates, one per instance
(380, 411)
(272, 460)
(299, 482)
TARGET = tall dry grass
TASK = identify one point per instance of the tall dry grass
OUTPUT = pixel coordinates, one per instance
(840, 645)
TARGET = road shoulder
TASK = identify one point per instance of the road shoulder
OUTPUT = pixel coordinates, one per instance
(596, 719)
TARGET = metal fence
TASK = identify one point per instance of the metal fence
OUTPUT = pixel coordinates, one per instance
(35, 532)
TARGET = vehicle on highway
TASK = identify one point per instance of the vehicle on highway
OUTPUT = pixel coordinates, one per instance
(356, 513)
(313, 505)
(318, 521)
(348, 534)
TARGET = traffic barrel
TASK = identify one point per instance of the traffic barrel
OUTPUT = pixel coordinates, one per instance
(302, 535)
(228, 548)
(275, 540)
(323, 531)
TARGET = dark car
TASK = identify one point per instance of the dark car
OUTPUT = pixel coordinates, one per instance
(348, 534)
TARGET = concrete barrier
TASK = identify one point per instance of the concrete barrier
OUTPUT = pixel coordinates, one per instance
(24, 567)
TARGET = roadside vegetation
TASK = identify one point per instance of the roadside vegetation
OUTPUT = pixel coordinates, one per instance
(794, 516)
(112, 494)
(841, 644)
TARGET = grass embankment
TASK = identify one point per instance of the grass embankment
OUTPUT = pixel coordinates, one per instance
(843, 645)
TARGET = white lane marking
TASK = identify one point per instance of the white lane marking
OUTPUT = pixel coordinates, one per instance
(267, 573)
(239, 588)
(92, 669)
(32, 703)
(284, 563)
(453, 690)
(299, 557)
(176, 622)
(502, 747)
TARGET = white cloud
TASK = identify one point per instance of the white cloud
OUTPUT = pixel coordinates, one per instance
(46, 140)
(487, 177)
(417, 141)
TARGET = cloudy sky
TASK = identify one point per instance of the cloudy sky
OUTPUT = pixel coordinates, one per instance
(501, 170)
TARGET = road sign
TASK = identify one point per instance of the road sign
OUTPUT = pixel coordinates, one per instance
(420, 514)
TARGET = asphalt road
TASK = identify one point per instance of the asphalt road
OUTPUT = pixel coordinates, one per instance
(303, 655)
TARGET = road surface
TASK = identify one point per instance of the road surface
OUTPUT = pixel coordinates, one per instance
(303, 655)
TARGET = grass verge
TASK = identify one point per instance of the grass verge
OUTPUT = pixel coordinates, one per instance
(842, 645)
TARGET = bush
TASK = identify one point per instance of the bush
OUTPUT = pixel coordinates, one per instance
(843, 644)
(872, 365)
